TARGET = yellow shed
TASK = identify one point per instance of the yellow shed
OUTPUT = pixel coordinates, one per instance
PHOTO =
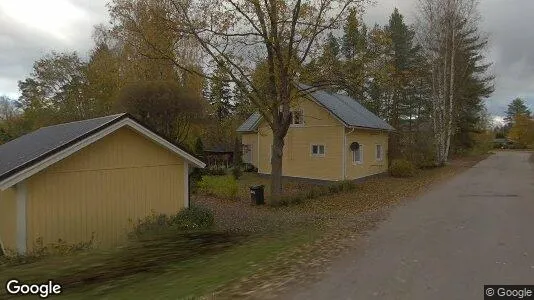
(88, 180)
(331, 137)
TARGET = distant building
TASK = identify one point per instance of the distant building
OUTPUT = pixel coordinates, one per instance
(219, 156)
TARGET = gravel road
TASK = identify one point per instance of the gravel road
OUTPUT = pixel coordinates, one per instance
(474, 229)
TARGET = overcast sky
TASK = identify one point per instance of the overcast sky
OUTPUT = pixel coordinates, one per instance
(31, 28)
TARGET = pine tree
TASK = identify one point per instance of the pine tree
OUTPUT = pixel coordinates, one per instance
(404, 78)
(354, 37)
(325, 71)
(473, 85)
(354, 45)
(220, 96)
(515, 108)
(199, 148)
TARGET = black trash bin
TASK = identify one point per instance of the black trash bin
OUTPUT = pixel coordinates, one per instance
(256, 194)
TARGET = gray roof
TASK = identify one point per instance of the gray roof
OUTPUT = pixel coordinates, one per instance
(35, 146)
(348, 110)
(251, 124)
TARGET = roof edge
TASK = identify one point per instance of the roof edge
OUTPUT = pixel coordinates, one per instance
(66, 145)
(33, 166)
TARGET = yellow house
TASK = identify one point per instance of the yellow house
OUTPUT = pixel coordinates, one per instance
(332, 137)
(88, 180)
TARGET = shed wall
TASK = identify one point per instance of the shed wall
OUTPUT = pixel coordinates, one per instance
(8, 219)
(102, 191)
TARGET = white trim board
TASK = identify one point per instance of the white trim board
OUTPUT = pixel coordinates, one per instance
(21, 195)
(2, 248)
(344, 155)
(186, 185)
(43, 164)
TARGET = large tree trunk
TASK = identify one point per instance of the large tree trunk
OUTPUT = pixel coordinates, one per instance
(277, 151)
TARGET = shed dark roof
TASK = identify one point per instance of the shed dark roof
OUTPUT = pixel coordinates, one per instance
(33, 147)
(29, 148)
(346, 109)
(251, 124)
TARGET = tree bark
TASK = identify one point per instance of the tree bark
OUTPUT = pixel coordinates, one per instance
(277, 151)
(451, 79)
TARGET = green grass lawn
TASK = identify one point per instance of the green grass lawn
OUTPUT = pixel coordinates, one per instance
(201, 275)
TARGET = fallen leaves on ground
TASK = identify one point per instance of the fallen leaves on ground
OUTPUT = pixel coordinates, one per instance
(340, 218)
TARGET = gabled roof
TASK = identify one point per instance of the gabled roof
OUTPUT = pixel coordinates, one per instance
(28, 154)
(251, 124)
(346, 109)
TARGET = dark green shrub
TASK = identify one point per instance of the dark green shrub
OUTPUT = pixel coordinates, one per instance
(237, 172)
(402, 168)
(194, 178)
(199, 148)
(249, 167)
(193, 218)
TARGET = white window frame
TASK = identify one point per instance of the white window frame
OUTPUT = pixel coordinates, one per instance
(318, 154)
(293, 124)
(357, 162)
(381, 152)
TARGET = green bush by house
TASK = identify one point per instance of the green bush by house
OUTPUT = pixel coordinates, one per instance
(402, 168)
(192, 218)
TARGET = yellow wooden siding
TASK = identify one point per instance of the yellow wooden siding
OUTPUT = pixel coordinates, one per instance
(251, 139)
(320, 128)
(8, 219)
(368, 139)
(103, 190)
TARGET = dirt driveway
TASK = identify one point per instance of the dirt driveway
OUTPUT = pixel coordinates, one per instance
(473, 230)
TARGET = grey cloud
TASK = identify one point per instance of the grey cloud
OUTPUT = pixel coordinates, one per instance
(511, 36)
(20, 45)
(508, 24)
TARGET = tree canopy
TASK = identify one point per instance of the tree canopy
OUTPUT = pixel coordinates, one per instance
(517, 108)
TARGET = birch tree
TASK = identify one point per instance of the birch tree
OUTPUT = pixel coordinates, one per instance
(236, 36)
(442, 26)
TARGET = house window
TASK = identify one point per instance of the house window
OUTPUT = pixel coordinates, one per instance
(297, 117)
(357, 155)
(379, 152)
(317, 150)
